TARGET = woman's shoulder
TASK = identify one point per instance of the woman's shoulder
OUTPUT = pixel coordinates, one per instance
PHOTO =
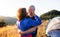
(26, 20)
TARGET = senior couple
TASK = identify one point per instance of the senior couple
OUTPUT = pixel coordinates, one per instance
(27, 22)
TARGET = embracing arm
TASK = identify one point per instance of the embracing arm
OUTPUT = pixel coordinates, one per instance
(33, 23)
(28, 31)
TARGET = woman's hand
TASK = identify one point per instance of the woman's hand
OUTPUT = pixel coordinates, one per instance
(21, 32)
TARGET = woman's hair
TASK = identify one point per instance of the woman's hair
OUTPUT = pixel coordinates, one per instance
(21, 14)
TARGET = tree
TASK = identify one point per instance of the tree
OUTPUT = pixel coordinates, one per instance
(50, 14)
(2, 23)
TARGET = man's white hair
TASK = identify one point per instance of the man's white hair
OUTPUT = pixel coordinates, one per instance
(33, 7)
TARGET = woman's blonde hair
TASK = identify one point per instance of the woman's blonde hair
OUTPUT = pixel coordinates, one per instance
(21, 13)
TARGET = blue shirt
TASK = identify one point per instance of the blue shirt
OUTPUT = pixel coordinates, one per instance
(28, 23)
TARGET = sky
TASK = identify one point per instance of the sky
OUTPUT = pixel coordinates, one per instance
(10, 7)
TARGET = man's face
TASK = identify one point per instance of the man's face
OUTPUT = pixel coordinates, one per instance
(31, 12)
(31, 9)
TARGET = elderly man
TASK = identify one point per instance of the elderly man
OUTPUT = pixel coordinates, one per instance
(32, 15)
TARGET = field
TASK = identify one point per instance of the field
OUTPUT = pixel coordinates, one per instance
(11, 31)
(42, 29)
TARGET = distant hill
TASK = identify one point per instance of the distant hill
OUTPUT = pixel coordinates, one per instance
(8, 20)
(50, 14)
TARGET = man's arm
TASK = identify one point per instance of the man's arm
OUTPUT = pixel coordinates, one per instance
(28, 31)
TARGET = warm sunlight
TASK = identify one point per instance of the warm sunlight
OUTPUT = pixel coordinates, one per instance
(9, 7)
(43, 22)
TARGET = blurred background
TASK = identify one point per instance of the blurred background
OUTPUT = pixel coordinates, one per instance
(45, 9)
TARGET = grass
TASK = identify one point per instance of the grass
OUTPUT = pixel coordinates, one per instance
(42, 29)
(11, 31)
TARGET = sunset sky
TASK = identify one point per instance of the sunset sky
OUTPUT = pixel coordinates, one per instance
(9, 7)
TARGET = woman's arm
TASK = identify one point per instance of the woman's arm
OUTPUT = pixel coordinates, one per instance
(28, 31)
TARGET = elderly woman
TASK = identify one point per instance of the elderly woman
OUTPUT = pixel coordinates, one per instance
(53, 27)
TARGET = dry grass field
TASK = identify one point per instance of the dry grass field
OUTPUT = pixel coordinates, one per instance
(11, 31)
(42, 29)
